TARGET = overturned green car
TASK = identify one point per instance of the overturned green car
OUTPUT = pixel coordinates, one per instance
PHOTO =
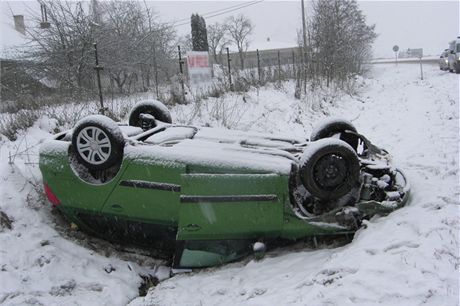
(207, 195)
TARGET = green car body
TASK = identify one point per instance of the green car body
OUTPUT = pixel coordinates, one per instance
(206, 197)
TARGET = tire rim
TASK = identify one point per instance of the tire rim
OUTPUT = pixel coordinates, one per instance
(330, 171)
(93, 145)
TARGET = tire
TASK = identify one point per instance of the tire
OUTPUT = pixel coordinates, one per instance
(332, 126)
(151, 107)
(98, 142)
(329, 168)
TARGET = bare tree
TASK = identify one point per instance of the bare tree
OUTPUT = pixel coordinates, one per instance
(132, 45)
(65, 49)
(130, 37)
(119, 55)
(240, 28)
(341, 39)
(217, 40)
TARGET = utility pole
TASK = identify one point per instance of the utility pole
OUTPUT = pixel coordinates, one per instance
(95, 11)
(229, 71)
(98, 69)
(304, 35)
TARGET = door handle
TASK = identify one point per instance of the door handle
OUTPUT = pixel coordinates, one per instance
(116, 207)
(192, 227)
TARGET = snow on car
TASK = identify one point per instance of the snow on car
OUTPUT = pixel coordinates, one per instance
(204, 195)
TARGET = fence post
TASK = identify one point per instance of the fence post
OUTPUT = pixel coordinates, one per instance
(421, 69)
(155, 66)
(181, 62)
(258, 65)
(279, 67)
(293, 64)
(305, 74)
(98, 75)
(229, 71)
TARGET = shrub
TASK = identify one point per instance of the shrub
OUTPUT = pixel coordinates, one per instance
(12, 123)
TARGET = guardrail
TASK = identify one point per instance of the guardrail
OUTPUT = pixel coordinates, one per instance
(427, 60)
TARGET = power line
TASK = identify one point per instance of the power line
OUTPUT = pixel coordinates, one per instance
(217, 11)
(214, 13)
(224, 12)
(249, 4)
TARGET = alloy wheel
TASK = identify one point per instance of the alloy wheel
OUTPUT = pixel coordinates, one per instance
(93, 145)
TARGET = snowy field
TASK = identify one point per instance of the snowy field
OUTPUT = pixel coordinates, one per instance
(410, 257)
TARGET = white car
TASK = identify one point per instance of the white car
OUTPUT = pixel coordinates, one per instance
(444, 60)
(454, 56)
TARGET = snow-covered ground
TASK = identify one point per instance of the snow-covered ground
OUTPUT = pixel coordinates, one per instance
(410, 257)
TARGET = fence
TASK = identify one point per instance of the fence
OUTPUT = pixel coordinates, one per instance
(19, 81)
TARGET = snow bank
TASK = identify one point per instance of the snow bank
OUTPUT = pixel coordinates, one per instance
(409, 258)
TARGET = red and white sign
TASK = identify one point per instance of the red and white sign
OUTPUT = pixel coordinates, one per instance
(198, 67)
(198, 61)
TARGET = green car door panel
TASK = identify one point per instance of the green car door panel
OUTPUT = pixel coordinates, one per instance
(147, 191)
(231, 206)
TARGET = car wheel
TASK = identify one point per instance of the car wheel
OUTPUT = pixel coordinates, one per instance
(333, 126)
(97, 142)
(329, 168)
(151, 107)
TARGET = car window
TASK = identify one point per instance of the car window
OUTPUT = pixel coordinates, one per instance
(198, 253)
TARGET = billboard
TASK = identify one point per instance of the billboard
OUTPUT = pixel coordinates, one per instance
(415, 52)
(411, 53)
(198, 67)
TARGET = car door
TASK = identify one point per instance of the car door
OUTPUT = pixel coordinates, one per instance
(148, 192)
(231, 206)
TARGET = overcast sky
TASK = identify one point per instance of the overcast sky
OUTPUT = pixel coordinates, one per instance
(410, 24)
